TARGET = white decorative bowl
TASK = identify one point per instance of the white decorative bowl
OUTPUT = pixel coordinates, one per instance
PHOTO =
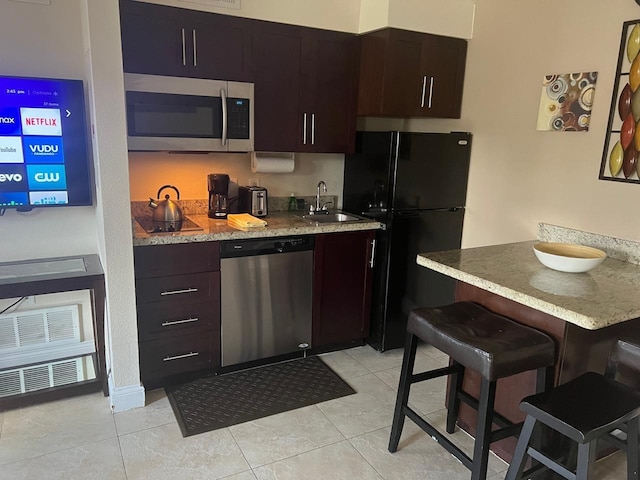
(567, 257)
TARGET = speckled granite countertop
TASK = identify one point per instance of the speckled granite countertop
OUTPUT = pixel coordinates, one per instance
(278, 224)
(604, 296)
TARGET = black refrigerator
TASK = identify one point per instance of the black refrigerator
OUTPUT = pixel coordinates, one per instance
(415, 184)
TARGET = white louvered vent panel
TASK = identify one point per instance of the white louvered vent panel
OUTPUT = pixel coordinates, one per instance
(8, 333)
(39, 328)
(38, 377)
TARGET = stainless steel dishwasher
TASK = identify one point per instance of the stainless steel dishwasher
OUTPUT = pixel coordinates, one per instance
(266, 287)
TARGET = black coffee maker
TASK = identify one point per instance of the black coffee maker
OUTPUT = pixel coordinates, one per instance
(218, 184)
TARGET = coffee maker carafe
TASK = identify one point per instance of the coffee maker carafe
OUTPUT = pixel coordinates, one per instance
(218, 184)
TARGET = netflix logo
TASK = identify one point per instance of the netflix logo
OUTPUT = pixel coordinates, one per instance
(41, 121)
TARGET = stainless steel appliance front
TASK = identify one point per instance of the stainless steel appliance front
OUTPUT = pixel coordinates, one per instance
(266, 297)
(188, 114)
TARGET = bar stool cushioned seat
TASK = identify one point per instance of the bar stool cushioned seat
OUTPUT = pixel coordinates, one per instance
(584, 409)
(478, 339)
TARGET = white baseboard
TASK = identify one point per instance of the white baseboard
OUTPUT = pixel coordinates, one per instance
(125, 398)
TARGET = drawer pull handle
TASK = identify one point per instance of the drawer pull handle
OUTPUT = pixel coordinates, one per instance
(178, 357)
(178, 322)
(176, 292)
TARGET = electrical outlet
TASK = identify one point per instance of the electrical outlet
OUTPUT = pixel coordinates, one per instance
(254, 182)
(29, 300)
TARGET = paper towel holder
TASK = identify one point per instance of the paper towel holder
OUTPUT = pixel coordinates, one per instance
(272, 162)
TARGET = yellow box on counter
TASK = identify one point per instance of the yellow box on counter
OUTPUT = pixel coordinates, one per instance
(244, 221)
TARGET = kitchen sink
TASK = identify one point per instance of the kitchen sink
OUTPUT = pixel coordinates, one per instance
(332, 218)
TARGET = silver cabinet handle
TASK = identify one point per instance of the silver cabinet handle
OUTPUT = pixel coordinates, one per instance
(223, 97)
(373, 252)
(184, 50)
(424, 87)
(178, 322)
(313, 129)
(195, 49)
(431, 82)
(304, 129)
(178, 357)
(177, 292)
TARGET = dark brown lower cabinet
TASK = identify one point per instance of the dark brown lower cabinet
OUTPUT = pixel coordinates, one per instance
(178, 308)
(342, 287)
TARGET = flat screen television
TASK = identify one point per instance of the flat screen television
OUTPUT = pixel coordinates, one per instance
(44, 158)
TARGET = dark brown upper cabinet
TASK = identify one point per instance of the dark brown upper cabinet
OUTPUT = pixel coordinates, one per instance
(305, 89)
(172, 41)
(411, 74)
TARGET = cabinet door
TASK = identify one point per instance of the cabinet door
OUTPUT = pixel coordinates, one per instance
(277, 54)
(221, 46)
(442, 71)
(329, 91)
(152, 39)
(342, 287)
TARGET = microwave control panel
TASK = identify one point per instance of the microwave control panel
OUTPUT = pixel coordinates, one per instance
(238, 118)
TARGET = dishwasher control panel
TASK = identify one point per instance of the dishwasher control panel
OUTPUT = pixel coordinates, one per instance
(265, 246)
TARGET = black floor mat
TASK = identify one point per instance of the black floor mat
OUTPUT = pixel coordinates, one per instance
(221, 401)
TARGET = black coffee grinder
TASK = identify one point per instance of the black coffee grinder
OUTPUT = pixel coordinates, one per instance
(218, 184)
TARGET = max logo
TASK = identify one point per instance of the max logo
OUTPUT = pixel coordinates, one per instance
(44, 148)
(7, 120)
(42, 177)
(10, 177)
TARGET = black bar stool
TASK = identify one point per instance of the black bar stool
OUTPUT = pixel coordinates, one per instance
(585, 410)
(490, 344)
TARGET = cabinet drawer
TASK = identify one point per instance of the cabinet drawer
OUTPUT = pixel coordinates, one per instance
(156, 320)
(175, 289)
(179, 354)
(158, 260)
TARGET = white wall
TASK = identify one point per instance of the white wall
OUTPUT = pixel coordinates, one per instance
(149, 171)
(40, 41)
(519, 176)
(341, 15)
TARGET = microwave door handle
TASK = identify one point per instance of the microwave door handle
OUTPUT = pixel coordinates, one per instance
(223, 97)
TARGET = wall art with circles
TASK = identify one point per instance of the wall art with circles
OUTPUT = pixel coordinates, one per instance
(565, 102)
(622, 141)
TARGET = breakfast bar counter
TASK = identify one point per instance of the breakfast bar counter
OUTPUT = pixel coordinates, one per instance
(585, 313)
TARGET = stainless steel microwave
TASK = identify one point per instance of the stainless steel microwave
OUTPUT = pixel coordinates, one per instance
(188, 114)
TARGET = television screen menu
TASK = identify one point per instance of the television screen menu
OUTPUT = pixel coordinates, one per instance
(43, 150)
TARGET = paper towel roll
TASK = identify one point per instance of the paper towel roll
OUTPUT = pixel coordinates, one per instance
(271, 162)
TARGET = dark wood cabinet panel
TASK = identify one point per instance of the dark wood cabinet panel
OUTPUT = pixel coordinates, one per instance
(305, 84)
(278, 64)
(162, 40)
(178, 308)
(342, 287)
(411, 74)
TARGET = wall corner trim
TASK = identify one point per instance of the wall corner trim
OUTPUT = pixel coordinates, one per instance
(125, 398)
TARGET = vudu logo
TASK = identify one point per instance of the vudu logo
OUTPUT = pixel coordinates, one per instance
(46, 177)
(43, 149)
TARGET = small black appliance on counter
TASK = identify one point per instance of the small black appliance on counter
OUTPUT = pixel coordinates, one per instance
(218, 184)
(253, 200)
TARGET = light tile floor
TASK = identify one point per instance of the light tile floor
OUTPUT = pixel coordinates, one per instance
(345, 438)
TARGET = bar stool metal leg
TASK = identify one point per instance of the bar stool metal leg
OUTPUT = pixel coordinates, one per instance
(408, 360)
(632, 449)
(483, 430)
(453, 402)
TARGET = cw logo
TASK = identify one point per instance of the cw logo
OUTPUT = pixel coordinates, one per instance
(42, 177)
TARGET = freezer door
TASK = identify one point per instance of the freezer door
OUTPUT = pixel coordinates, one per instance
(410, 285)
(431, 170)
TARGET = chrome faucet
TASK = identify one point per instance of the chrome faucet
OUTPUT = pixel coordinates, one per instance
(317, 207)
